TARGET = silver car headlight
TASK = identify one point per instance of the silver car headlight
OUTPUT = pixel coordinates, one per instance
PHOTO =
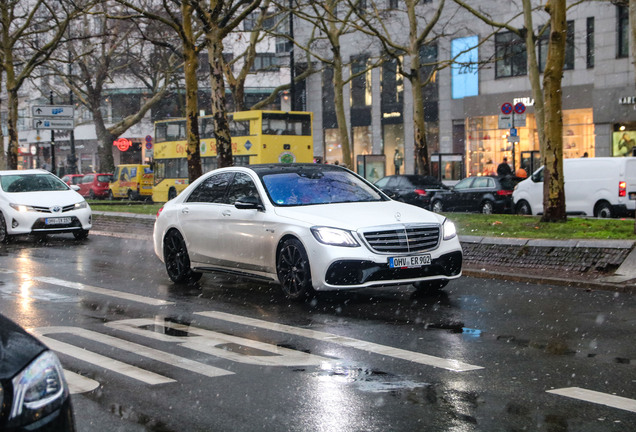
(449, 230)
(38, 390)
(334, 236)
(21, 207)
(81, 205)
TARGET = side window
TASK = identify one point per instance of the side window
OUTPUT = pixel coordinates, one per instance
(212, 189)
(242, 186)
(480, 182)
(87, 179)
(537, 177)
(392, 183)
(382, 182)
(116, 175)
(133, 173)
(464, 184)
(123, 176)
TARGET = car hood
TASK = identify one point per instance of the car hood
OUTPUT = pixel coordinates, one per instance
(45, 199)
(358, 215)
(17, 348)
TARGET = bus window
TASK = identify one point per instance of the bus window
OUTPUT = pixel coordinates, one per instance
(169, 131)
(286, 124)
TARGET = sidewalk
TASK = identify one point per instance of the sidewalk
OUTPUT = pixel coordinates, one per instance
(589, 264)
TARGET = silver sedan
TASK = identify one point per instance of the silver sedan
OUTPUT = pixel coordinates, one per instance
(309, 227)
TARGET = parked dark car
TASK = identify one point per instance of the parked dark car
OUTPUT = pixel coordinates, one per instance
(412, 189)
(487, 194)
(33, 393)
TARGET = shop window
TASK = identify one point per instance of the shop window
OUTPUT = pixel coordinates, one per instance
(361, 82)
(393, 141)
(510, 50)
(362, 141)
(569, 47)
(333, 146)
(623, 31)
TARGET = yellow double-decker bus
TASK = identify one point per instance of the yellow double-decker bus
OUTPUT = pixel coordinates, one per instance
(257, 137)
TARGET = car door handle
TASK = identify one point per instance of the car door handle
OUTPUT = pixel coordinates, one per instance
(227, 213)
(185, 210)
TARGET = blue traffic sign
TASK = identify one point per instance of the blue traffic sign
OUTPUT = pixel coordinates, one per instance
(513, 132)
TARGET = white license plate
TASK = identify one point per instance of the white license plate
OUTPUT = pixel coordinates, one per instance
(58, 221)
(410, 261)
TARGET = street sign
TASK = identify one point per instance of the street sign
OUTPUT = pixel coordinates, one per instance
(513, 139)
(520, 108)
(519, 120)
(53, 123)
(506, 108)
(513, 131)
(505, 121)
(53, 111)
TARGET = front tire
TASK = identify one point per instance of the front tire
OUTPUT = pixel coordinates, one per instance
(175, 255)
(4, 236)
(110, 195)
(603, 209)
(437, 206)
(293, 270)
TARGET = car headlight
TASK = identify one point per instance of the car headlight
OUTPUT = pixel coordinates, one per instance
(334, 236)
(81, 205)
(21, 207)
(449, 230)
(38, 390)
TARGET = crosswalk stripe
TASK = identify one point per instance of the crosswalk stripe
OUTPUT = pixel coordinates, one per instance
(78, 383)
(103, 291)
(597, 398)
(425, 359)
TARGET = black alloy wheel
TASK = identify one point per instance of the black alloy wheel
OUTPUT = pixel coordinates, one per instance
(487, 207)
(437, 206)
(91, 194)
(175, 255)
(293, 270)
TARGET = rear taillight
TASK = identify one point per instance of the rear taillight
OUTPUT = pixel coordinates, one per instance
(420, 192)
(159, 212)
(504, 192)
(622, 189)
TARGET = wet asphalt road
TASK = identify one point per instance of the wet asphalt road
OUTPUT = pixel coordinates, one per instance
(142, 354)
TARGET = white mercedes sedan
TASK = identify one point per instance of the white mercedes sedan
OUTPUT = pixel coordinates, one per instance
(309, 227)
(39, 203)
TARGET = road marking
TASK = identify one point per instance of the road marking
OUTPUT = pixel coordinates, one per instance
(120, 367)
(597, 398)
(233, 348)
(78, 383)
(449, 364)
(103, 291)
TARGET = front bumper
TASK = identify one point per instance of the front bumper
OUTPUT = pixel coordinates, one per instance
(32, 222)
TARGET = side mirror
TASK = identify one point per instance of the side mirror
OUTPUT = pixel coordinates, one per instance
(75, 187)
(248, 203)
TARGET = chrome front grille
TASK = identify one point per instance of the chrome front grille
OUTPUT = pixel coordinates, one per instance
(49, 209)
(403, 239)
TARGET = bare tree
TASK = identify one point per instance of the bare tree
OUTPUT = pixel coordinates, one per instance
(29, 34)
(554, 195)
(218, 18)
(177, 15)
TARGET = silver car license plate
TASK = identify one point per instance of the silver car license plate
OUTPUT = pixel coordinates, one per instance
(410, 261)
(58, 221)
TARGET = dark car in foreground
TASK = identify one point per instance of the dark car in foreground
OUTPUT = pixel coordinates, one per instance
(413, 189)
(487, 194)
(34, 395)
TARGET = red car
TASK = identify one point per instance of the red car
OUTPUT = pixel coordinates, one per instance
(72, 179)
(95, 185)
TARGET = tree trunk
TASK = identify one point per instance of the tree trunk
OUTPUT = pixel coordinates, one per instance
(105, 140)
(632, 31)
(553, 190)
(191, 64)
(338, 85)
(217, 83)
(12, 127)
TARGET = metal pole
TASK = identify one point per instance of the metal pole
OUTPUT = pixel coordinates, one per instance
(292, 85)
(73, 159)
(53, 166)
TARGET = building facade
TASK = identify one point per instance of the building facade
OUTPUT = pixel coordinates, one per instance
(466, 104)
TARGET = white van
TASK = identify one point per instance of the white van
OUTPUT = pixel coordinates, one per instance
(597, 187)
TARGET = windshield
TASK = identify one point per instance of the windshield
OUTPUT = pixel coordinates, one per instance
(307, 188)
(32, 183)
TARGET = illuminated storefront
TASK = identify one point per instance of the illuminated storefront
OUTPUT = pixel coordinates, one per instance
(487, 145)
